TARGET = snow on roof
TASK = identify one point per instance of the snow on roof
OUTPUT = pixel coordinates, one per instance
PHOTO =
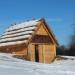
(13, 43)
(14, 34)
(14, 38)
(17, 34)
(22, 25)
(20, 30)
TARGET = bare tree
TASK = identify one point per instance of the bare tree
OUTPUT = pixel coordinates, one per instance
(72, 43)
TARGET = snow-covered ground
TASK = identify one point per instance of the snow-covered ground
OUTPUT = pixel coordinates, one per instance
(14, 66)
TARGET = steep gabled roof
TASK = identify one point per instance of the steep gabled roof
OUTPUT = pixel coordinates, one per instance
(20, 33)
(50, 31)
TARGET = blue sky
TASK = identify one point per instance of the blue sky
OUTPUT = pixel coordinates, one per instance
(58, 13)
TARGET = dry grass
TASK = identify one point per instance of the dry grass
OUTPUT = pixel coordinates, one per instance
(21, 57)
(60, 58)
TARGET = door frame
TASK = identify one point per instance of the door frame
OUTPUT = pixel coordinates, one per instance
(36, 53)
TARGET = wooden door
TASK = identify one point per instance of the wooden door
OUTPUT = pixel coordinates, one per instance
(36, 53)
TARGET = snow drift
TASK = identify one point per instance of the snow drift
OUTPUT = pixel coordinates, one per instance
(14, 66)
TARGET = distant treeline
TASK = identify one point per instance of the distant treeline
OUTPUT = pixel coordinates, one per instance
(70, 51)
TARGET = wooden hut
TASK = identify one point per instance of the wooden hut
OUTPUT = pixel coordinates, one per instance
(32, 39)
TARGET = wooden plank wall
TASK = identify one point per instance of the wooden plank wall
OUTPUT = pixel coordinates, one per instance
(41, 31)
(31, 52)
(47, 53)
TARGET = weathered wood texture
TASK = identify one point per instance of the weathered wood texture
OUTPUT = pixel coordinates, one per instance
(47, 52)
(31, 52)
(41, 31)
(46, 46)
